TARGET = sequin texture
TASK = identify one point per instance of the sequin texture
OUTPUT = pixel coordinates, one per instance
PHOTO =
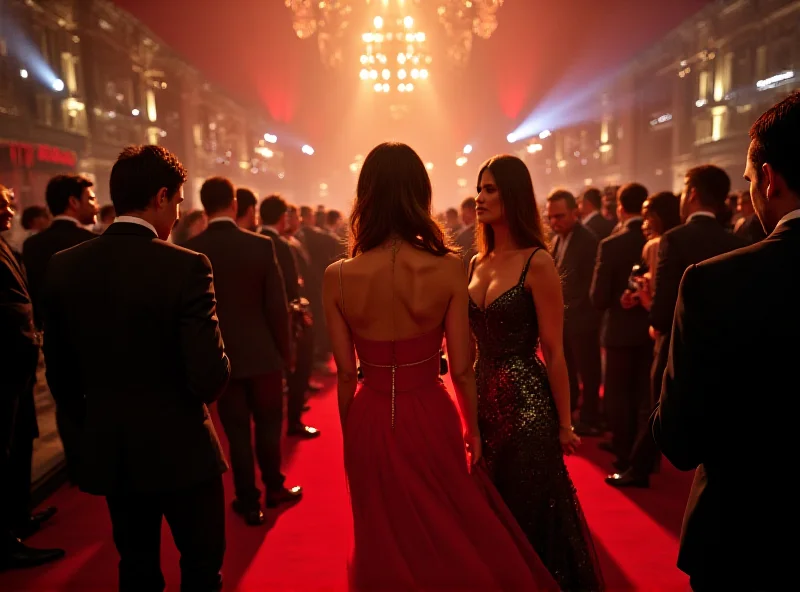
(519, 426)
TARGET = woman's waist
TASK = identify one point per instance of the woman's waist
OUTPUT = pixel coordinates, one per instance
(497, 352)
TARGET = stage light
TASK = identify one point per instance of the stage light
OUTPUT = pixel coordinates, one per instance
(378, 22)
(386, 74)
(533, 148)
(307, 150)
(545, 134)
(135, 112)
(385, 87)
(461, 161)
(373, 74)
(378, 87)
(364, 59)
(414, 73)
(401, 87)
(467, 149)
(401, 74)
(364, 74)
(512, 137)
(270, 138)
(409, 87)
(23, 73)
(408, 22)
(429, 166)
(401, 58)
(420, 37)
(423, 74)
(58, 85)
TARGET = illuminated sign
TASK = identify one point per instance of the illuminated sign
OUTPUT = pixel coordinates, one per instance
(22, 155)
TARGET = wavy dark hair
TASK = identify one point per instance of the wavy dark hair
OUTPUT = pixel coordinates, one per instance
(393, 198)
(513, 180)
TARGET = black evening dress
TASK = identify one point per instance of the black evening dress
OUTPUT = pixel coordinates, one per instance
(518, 421)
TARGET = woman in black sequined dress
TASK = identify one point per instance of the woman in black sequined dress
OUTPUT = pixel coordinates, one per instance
(523, 404)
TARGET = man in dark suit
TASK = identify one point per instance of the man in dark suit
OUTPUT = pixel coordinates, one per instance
(17, 411)
(466, 237)
(273, 222)
(591, 205)
(629, 349)
(139, 382)
(73, 204)
(323, 249)
(574, 252)
(701, 237)
(254, 320)
(723, 420)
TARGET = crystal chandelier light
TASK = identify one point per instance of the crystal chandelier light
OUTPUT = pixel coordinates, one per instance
(394, 55)
(462, 19)
(328, 19)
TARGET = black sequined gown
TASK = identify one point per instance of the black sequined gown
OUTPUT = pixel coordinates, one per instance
(519, 426)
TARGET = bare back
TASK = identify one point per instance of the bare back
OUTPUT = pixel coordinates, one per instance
(382, 304)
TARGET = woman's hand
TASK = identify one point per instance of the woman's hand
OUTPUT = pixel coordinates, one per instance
(569, 439)
(472, 441)
(629, 299)
(645, 292)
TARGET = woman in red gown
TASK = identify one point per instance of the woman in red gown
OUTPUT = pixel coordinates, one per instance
(425, 514)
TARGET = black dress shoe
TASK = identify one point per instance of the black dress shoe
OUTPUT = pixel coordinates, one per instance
(627, 479)
(284, 496)
(303, 431)
(34, 522)
(19, 556)
(253, 516)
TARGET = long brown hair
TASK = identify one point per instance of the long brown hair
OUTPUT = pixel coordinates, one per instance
(393, 198)
(522, 215)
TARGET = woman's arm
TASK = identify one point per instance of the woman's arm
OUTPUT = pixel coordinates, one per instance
(341, 341)
(545, 285)
(460, 348)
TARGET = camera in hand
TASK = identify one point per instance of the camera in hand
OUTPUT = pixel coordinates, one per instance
(636, 272)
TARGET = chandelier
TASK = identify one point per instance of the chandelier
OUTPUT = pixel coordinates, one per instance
(462, 19)
(394, 55)
(328, 19)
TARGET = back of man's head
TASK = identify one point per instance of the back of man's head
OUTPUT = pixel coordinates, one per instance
(217, 195)
(631, 197)
(140, 173)
(711, 184)
(775, 140)
(245, 199)
(271, 209)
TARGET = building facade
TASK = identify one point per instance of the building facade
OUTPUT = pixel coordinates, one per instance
(81, 79)
(688, 100)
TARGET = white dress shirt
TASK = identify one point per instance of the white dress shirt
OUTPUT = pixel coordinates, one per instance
(790, 216)
(136, 220)
(67, 218)
(589, 216)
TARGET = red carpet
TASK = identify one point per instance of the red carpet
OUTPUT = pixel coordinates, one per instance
(304, 548)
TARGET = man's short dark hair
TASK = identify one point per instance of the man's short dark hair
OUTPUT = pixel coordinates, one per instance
(245, 199)
(451, 213)
(333, 217)
(593, 196)
(563, 194)
(217, 195)
(61, 188)
(631, 197)
(711, 183)
(306, 211)
(469, 204)
(31, 214)
(776, 140)
(140, 173)
(271, 209)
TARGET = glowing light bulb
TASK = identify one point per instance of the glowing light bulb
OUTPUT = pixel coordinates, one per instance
(423, 74)
(386, 74)
(385, 87)
(414, 73)
(23, 73)
(58, 85)
(378, 87)
(135, 112)
(467, 149)
(409, 87)
(378, 22)
(307, 150)
(401, 74)
(364, 74)
(408, 22)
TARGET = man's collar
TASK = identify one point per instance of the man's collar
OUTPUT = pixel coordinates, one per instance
(589, 216)
(270, 228)
(701, 214)
(222, 219)
(136, 220)
(66, 218)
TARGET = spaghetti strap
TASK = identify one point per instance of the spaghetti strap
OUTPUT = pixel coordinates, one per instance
(527, 265)
(473, 263)
(341, 289)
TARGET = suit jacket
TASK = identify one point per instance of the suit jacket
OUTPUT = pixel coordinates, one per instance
(20, 356)
(251, 301)
(39, 248)
(131, 334)
(323, 249)
(701, 238)
(615, 258)
(731, 380)
(302, 261)
(466, 242)
(600, 226)
(751, 229)
(576, 270)
(288, 266)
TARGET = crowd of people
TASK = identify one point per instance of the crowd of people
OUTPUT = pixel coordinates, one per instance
(615, 312)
